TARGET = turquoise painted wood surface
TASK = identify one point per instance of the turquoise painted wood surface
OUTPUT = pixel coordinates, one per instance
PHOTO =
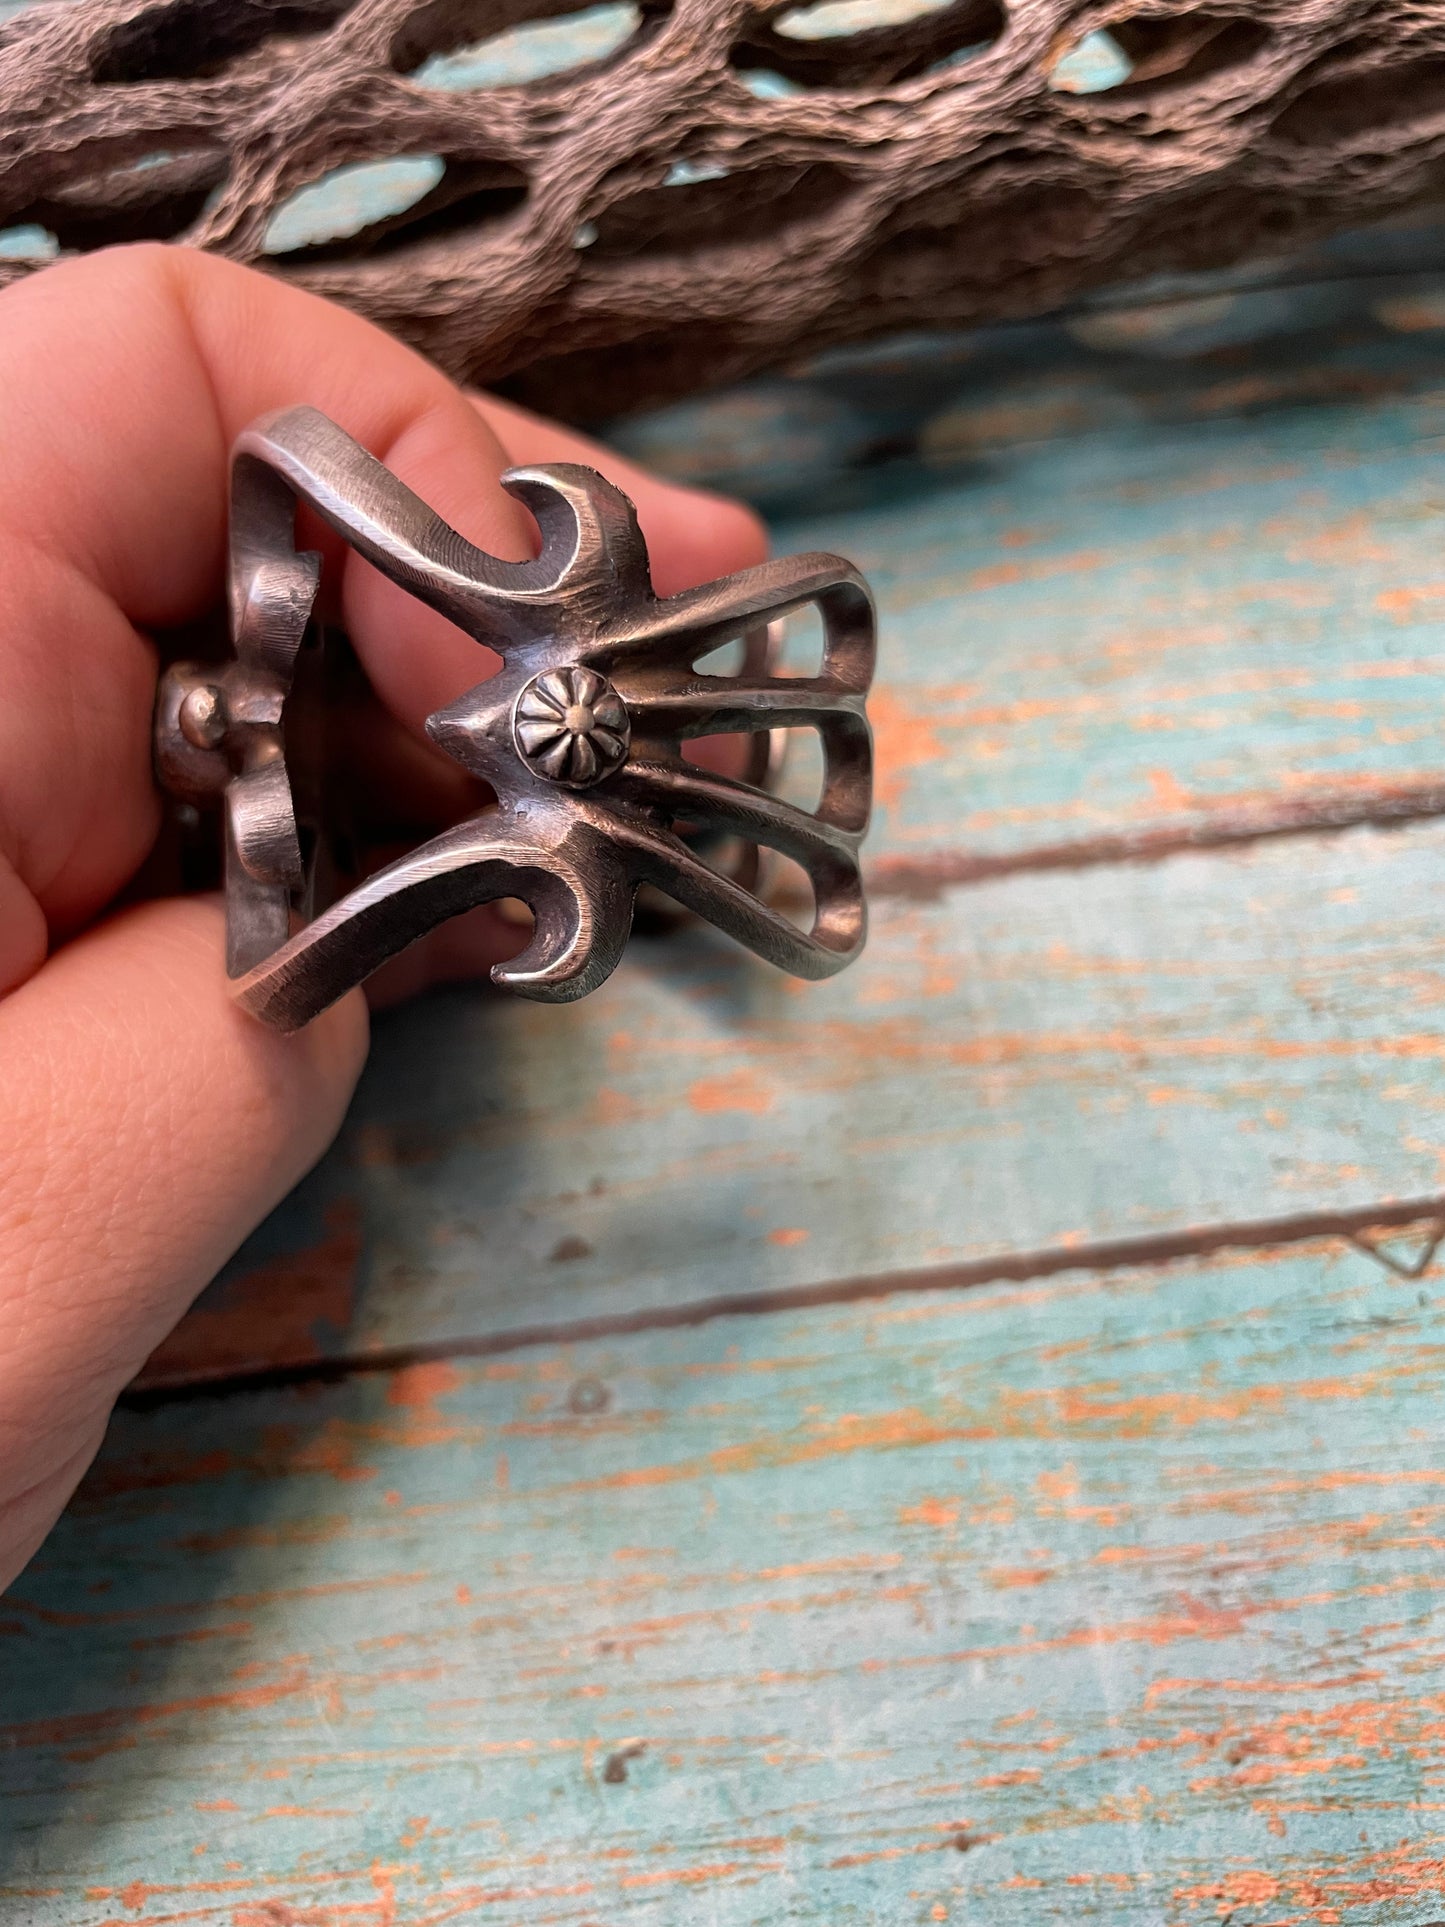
(1124, 595)
(1045, 1061)
(1142, 623)
(1106, 1590)
(1108, 1598)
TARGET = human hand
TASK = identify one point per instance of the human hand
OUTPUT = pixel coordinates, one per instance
(146, 1124)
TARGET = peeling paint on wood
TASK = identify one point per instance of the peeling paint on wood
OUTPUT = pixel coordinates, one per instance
(1108, 1598)
(1162, 613)
(1172, 617)
(1039, 1062)
(1108, 1593)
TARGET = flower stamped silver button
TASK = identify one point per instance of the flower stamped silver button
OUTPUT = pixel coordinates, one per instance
(571, 726)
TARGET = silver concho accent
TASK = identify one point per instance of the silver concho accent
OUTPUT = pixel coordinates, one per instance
(571, 726)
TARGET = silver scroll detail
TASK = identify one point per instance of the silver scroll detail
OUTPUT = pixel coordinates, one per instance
(579, 735)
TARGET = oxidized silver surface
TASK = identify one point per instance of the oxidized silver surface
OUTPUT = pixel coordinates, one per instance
(579, 735)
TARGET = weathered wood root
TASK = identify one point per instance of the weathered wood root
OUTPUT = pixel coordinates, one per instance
(890, 191)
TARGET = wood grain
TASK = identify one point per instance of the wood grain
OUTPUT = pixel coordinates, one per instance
(1040, 1062)
(1121, 612)
(1106, 1599)
(1132, 596)
(1106, 1590)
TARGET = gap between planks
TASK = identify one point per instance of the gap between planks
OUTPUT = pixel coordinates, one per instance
(923, 877)
(1111, 1254)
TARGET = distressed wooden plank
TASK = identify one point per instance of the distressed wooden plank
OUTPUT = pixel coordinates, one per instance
(1034, 1064)
(1128, 601)
(1124, 596)
(1112, 1598)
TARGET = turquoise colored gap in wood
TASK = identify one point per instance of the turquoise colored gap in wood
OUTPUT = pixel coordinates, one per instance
(533, 50)
(1108, 1599)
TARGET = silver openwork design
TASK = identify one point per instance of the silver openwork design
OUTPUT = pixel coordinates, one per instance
(579, 736)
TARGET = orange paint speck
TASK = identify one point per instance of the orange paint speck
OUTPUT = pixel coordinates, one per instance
(1167, 791)
(929, 1512)
(1062, 1484)
(739, 1091)
(998, 575)
(852, 1432)
(1405, 604)
(419, 1386)
(788, 1235)
(904, 739)
(687, 1876)
(332, 1450)
(385, 1887)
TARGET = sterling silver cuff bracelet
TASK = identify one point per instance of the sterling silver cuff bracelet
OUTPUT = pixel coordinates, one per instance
(578, 737)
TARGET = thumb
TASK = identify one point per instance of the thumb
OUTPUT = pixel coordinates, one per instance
(150, 1124)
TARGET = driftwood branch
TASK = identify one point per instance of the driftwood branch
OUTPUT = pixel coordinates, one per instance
(648, 224)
